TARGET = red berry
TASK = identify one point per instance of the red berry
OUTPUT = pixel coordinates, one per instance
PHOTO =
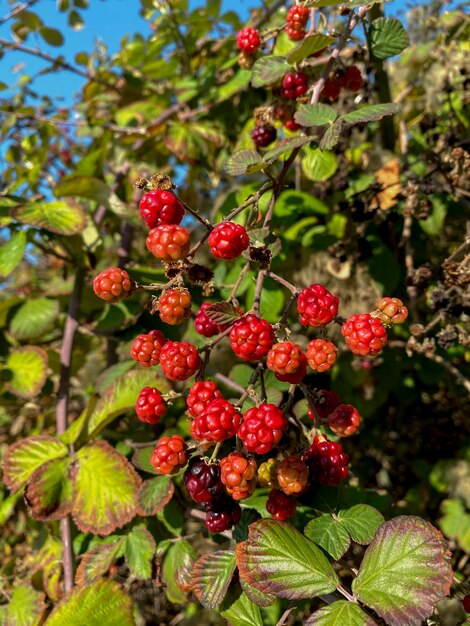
(466, 604)
(317, 306)
(150, 406)
(200, 395)
(263, 135)
(284, 357)
(291, 124)
(218, 421)
(204, 325)
(391, 311)
(202, 480)
(331, 89)
(280, 506)
(344, 420)
(168, 242)
(292, 475)
(321, 355)
(295, 34)
(170, 455)
(365, 335)
(179, 360)
(297, 15)
(352, 79)
(238, 474)
(248, 40)
(326, 404)
(327, 461)
(262, 428)
(295, 377)
(228, 240)
(159, 207)
(222, 516)
(251, 337)
(113, 284)
(174, 306)
(294, 85)
(146, 349)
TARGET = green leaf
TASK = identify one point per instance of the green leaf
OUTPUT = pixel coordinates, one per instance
(92, 189)
(237, 83)
(277, 559)
(122, 396)
(105, 489)
(49, 491)
(172, 590)
(310, 45)
(154, 494)
(405, 571)
(268, 70)
(257, 596)
(433, 224)
(329, 534)
(141, 459)
(28, 366)
(315, 114)
(103, 603)
(387, 37)
(184, 558)
(56, 217)
(34, 319)
(318, 165)
(52, 36)
(25, 608)
(240, 161)
(25, 456)
(212, 574)
(95, 563)
(370, 113)
(331, 136)
(292, 202)
(287, 146)
(340, 612)
(361, 521)
(455, 522)
(139, 552)
(239, 610)
(11, 252)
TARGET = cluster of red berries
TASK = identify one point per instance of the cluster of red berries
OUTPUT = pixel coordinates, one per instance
(326, 408)
(349, 79)
(296, 21)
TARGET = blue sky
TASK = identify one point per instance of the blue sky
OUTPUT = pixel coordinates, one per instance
(108, 20)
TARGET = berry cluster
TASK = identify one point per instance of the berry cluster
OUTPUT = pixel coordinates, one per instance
(349, 79)
(296, 21)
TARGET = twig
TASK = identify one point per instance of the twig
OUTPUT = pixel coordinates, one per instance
(17, 10)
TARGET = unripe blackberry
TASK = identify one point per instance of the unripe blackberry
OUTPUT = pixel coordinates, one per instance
(179, 360)
(174, 306)
(204, 325)
(280, 505)
(294, 85)
(159, 207)
(292, 475)
(284, 357)
(222, 515)
(218, 421)
(365, 335)
(344, 420)
(262, 428)
(150, 405)
(325, 405)
(170, 455)
(296, 377)
(317, 306)
(352, 79)
(238, 474)
(331, 89)
(251, 337)
(327, 461)
(113, 284)
(248, 40)
(146, 349)
(228, 240)
(168, 242)
(267, 473)
(321, 355)
(391, 311)
(200, 395)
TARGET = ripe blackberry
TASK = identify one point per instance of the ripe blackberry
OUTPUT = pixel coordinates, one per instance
(280, 505)
(150, 405)
(174, 306)
(202, 480)
(321, 355)
(294, 85)
(218, 421)
(170, 455)
(238, 474)
(263, 135)
(159, 207)
(317, 306)
(146, 349)
(262, 428)
(228, 240)
(248, 40)
(179, 360)
(365, 335)
(352, 79)
(327, 461)
(291, 124)
(344, 420)
(200, 395)
(113, 284)
(251, 337)
(222, 515)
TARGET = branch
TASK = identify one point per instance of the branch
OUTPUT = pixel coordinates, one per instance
(17, 10)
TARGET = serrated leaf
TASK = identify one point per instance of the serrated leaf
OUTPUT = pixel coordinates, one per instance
(211, 578)
(277, 559)
(319, 165)
(154, 494)
(268, 70)
(96, 562)
(328, 533)
(240, 532)
(139, 552)
(282, 148)
(103, 603)
(361, 521)
(92, 189)
(141, 459)
(239, 610)
(310, 45)
(370, 113)
(28, 366)
(255, 595)
(387, 37)
(57, 217)
(34, 319)
(11, 252)
(122, 396)
(105, 489)
(331, 136)
(340, 612)
(315, 114)
(240, 161)
(172, 590)
(222, 313)
(184, 557)
(26, 607)
(25, 456)
(49, 491)
(405, 571)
